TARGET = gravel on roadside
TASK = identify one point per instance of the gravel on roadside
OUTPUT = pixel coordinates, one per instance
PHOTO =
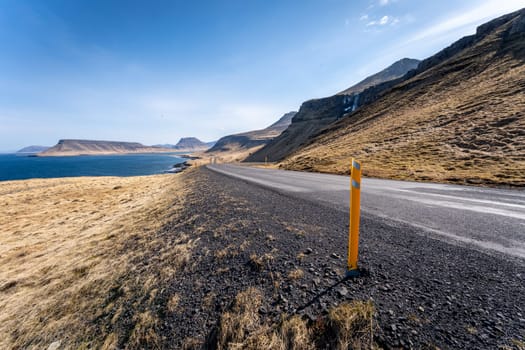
(427, 293)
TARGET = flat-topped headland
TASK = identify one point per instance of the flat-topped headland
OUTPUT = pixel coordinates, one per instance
(72, 147)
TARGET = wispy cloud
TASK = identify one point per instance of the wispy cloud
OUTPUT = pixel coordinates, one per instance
(384, 2)
(466, 20)
(383, 21)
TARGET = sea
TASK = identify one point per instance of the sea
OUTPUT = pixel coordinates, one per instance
(20, 167)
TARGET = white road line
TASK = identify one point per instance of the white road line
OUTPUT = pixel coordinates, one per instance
(460, 206)
(484, 201)
(490, 245)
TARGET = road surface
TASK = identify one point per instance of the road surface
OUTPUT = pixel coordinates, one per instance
(482, 218)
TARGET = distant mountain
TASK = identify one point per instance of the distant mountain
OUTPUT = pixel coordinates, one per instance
(190, 144)
(32, 149)
(458, 117)
(283, 122)
(394, 71)
(247, 141)
(164, 145)
(314, 115)
(92, 147)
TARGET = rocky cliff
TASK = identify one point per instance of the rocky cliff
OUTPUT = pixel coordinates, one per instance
(315, 115)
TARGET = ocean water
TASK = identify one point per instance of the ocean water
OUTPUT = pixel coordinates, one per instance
(15, 167)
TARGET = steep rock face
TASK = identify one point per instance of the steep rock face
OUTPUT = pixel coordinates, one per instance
(312, 116)
(92, 147)
(459, 117)
(315, 115)
(251, 139)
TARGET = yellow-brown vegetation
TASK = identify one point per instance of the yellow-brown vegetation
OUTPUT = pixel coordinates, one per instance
(81, 260)
(296, 274)
(460, 121)
(352, 325)
(349, 325)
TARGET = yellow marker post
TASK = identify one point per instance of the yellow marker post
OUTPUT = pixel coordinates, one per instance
(355, 208)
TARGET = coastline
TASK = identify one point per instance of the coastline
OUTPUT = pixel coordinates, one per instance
(15, 167)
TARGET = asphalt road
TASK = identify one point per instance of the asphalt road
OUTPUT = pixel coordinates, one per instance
(492, 220)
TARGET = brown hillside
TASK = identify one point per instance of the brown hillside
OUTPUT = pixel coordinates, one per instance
(317, 114)
(459, 118)
(238, 146)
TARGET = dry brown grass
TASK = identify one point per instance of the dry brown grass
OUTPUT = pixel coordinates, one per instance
(72, 255)
(294, 334)
(173, 303)
(352, 325)
(242, 328)
(232, 156)
(227, 252)
(259, 262)
(449, 124)
(235, 326)
(520, 345)
(349, 325)
(301, 256)
(296, 274)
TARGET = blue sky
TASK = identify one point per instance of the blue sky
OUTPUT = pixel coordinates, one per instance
(154, 71)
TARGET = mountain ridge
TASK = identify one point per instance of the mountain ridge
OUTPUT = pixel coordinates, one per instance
(394, 71)
(190, 144)
(458, 117)
(316, 114)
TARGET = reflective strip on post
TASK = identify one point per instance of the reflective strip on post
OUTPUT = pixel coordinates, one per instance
(355, 199)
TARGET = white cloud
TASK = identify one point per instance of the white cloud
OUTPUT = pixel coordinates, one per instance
(464, 22)
(386, 2)
(363, 18)
(383, 21)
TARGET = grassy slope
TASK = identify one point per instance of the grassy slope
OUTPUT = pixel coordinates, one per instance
(81, 263)
(462, 120)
